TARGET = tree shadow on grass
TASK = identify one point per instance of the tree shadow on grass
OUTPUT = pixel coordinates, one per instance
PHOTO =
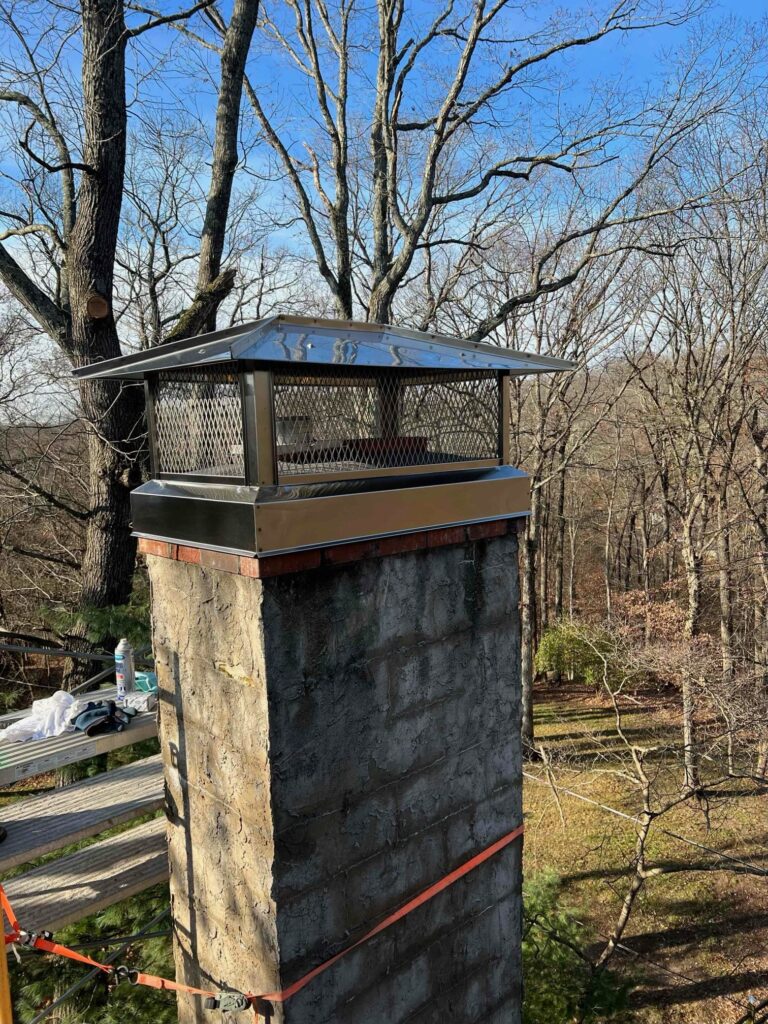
(543, 716)
(655, 735)
(759, 789)
(738, 984)
(652, 944)
(758, 859)
(646, 951)
(695, 932)
(597, 749)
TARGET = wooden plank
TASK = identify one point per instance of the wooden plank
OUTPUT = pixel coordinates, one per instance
(33, 757)
(53, 820)
(72, 887)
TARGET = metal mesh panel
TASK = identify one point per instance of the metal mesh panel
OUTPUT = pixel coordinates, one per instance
(329, 422)
(198, 421)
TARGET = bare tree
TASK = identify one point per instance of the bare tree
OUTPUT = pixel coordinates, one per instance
(454, 149)
(708, 326)
(66, 230)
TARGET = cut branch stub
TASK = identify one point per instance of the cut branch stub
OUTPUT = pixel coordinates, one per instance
(97, 306)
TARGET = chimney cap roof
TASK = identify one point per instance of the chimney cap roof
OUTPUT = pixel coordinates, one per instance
(315, 341)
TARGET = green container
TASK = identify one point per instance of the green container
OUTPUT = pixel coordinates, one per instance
(146, 682)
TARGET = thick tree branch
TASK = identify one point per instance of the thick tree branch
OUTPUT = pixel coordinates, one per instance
(41, 492)
(234, 52)
(194, 319)
(167, 19)
(70, 165)
(53, 320)
(32, 229)
(46, 121)
(44, 556)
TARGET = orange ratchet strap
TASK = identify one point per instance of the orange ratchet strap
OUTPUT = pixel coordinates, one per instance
(46, 945)
(8, 911)
(398, 915)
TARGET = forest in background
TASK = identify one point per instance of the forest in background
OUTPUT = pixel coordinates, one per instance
(462, 169)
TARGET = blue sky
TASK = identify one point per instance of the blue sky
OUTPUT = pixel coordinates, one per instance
(635, 58)
(636, 53)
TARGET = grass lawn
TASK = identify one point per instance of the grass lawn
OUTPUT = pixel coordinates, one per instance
(709, 928)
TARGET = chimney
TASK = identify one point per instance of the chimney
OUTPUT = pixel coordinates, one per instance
(331, 533)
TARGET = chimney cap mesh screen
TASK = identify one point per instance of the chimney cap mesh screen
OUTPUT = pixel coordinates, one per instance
(329, 421)
(199, 422)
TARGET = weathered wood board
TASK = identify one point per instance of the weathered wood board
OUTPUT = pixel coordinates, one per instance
(72, 887)
(54, 820)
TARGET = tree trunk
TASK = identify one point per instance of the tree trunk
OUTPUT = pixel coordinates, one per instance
(666, 511)
(380, 219)
(528, 546)
(110, 551)
(607, 561)
(645, 562)
(692, 561)
(234, 52)
(572, 570)
(630, 532)
(559, 547)
(725, 584)
(542, 618)
(113, 411)
(726, 616)
(761, 680)
(759, 432)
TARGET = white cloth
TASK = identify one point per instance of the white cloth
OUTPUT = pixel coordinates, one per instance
(50, 716)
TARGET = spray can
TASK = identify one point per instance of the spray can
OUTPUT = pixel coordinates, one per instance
(125, 672)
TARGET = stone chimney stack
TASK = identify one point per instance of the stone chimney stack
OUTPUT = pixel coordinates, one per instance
(340, 729)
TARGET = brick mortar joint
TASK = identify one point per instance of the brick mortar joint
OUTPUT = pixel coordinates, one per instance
(334, 555)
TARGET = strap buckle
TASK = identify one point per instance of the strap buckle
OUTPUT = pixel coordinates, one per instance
(30, 938)
(228, 1002)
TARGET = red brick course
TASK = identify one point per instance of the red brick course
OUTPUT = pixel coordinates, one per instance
(444, 538)
(339, 554)
(280, 565)
(186, 554)
(355, 551)
(161, 548)
(482, 531)
(399, 545)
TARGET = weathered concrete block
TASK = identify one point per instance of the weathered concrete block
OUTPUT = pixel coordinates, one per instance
(334, 742)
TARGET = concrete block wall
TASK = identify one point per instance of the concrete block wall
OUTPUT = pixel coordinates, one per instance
(336, 739)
